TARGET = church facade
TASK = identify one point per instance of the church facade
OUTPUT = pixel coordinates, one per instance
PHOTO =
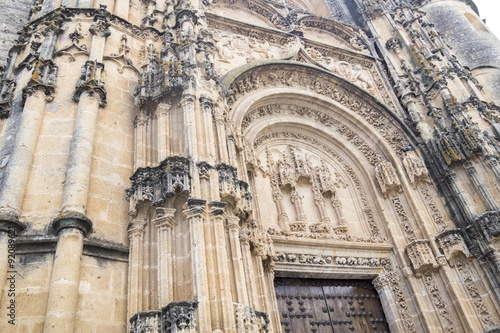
(249, 166)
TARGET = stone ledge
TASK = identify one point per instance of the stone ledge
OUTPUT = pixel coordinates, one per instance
(91, 247)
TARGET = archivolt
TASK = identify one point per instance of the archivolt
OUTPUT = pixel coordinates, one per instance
(265, 85)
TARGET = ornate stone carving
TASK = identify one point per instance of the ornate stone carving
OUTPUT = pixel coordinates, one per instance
(100, 27)
(403, 219)
(329, 260)
(6, 94)
(421, 256)
(231, 186)
(157, 184)
(437, 300)
(437, 217)
(353, 73)
(380, 282)
(452, 244)
(91, 80)
(415, 167)
(251, 321)
(489, 223)
(276, 75)
(178, 317)
(43, 77)
(387, 178)
(325, 119)
(163, 76)
(468, 282)
(397, 289)
(375, 231)
(262, 243)
(147, 321)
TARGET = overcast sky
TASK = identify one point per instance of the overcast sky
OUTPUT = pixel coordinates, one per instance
(489, 10)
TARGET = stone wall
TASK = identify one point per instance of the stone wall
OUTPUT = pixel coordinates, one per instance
(13, 16)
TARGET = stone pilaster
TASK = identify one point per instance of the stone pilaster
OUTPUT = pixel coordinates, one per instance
(163, 116)
(491, 205)
(222, 268)
(237, 259)
(165, 222)
(195, 214)
(136, 238)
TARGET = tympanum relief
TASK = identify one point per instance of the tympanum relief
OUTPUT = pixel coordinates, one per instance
(307, 195)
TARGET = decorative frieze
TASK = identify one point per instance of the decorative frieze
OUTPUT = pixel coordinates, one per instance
(401, 300)
(325, 85)
(157, 184)
(436, 214)
(322, 260)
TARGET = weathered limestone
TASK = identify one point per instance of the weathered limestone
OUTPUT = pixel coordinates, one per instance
(202, 149)
(63, 296)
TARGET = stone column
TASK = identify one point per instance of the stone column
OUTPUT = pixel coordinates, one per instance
(188, 110)
(140, 126)
(223, 277)
(320, 203)
(63, 291)
(195, 214)
(390, 305)
(460, 193)
(207, 105)
(341, 226)
(165, 222)
(90, 94)
(19, 165)
(249, 272)
(163, 116)
(491, 205)
(238, 269)
(221, 136)
(278, 200)
(493, 163)
(76, 186)
(297, 202)
(136, 238)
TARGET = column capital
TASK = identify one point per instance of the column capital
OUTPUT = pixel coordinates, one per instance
(195, 207)
(136, 228)
(72, 220)
(165, 217)
(9, 220)
(217, 207)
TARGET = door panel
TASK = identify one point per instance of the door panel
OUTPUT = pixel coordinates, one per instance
(326, 306)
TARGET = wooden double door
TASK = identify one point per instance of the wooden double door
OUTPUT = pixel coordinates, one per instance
(326, 306)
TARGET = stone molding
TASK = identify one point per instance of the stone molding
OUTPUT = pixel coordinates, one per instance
(72, 220)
